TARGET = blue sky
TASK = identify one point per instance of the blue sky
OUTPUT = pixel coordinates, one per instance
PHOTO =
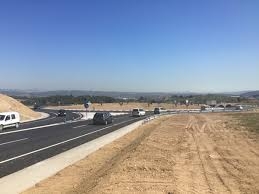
(130, 45)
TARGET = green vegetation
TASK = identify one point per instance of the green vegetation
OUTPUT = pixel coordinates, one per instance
(66, 100)
(201, 99)
(195, 99)
(172, 99)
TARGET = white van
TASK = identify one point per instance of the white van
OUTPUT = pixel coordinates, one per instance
(138, 112)
(9, 119)
(159, 110)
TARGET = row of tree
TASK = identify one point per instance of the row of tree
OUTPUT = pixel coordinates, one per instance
(175, 99)
(193, 99)
(66, 100)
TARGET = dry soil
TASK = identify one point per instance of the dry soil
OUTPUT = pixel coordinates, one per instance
(10, 104)
(202, 153)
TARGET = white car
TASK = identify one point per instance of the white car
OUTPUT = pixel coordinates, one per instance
(138, 112)
(9, 119)
(159, 110)
(239, 107)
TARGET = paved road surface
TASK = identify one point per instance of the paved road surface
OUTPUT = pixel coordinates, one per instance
(38, 140)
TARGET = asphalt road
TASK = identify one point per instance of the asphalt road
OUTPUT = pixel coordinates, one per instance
(38, 140)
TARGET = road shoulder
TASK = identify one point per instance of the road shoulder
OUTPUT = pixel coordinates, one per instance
(96, 163)
(192, 153)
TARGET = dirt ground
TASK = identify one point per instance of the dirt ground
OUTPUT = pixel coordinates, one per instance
(126, 106)
(10, 104)
(202, 153)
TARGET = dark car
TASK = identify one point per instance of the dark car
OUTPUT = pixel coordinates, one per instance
(62, 113)
(102, 118)
(36, 107)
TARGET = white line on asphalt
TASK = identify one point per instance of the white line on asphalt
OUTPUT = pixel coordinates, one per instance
(39, 127)
(54, 113)
(28, 129)
(54, 145)
(45, 119)
(13, 141)
(80, 115)
(79, 126)
(113, 119)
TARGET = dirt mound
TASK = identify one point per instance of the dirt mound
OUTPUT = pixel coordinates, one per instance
(9, 104)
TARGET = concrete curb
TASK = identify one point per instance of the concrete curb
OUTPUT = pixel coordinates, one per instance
(28, 177)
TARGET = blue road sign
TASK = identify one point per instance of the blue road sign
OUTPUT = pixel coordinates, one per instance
(86, 103)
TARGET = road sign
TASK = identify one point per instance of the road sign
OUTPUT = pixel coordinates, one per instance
(86, 105)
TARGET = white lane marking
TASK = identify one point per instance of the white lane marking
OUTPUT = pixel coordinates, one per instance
(54, 113)
(46, 119)
(13, 141)
(39, 127)
(33, 128)
(54, 145)
(86, 125)
(80, 115)
(79, 126)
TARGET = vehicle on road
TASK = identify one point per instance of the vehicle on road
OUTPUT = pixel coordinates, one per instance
(159, 110)
(203, 107)
(138, 112)
(9, 119)
(36, 107)
(102, 118)
(62, 113)
(239, 107)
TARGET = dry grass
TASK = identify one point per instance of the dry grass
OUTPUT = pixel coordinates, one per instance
(125, 106)
(248, 120)
(9, 104)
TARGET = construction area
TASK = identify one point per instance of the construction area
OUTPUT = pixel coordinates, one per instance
(190, 153)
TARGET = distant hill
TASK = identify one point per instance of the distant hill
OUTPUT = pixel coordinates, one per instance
(15, 92)
(252, 94)
(76, 93)
(115, 94)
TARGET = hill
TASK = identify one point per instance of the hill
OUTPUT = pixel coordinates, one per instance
(9, 104)
(252, 94)
(76, 93)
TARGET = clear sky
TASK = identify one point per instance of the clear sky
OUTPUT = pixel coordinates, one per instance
(130, 45)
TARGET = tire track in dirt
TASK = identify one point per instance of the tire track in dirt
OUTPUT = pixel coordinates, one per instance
(108, 167)
(198, 153)
(207, 164)
(191, 153)
(216, 128)
(190, 129)
(229, 162)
